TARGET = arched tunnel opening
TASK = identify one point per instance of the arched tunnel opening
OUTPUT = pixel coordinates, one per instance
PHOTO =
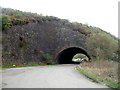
(66, 56)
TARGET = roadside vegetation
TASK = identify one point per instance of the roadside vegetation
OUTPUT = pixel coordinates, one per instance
(47, 60)
(101, 45)
(29, 64)
(101, 71)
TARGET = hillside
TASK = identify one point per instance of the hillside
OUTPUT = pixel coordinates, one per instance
(99, 44)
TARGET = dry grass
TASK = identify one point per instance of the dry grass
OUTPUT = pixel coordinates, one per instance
(104, 69)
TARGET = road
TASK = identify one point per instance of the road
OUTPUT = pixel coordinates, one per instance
(54, 76)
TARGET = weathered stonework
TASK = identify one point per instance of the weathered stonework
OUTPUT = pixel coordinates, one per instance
(31, 41)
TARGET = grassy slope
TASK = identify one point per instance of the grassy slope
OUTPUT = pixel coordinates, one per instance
(107, 74)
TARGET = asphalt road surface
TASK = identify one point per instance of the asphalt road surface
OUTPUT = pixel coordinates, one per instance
(55, 76)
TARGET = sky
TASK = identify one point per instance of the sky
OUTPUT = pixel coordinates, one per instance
(98, 13)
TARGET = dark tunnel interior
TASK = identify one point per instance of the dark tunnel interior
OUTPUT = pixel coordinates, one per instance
(65, 56)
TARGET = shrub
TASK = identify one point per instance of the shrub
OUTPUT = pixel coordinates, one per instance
(48, 58)
(101, 46)
(6, 22)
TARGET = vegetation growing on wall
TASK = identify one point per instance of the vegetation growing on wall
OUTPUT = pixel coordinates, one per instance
(6, 22)
(100, 44)
(48, 59)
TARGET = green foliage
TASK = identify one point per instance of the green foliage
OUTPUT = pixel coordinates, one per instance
(20, 18)
(48, 58)
(25, 65)
(6, 22)
(101, 46)
(79, 55)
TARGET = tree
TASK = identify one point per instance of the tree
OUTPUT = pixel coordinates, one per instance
(101, 46)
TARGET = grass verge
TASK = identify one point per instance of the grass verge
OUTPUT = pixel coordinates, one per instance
(27, 65)
(110, 83)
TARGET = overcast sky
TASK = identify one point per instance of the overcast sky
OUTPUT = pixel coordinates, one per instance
(99, 13)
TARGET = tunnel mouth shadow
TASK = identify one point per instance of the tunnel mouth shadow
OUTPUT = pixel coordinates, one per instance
(66, 55)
